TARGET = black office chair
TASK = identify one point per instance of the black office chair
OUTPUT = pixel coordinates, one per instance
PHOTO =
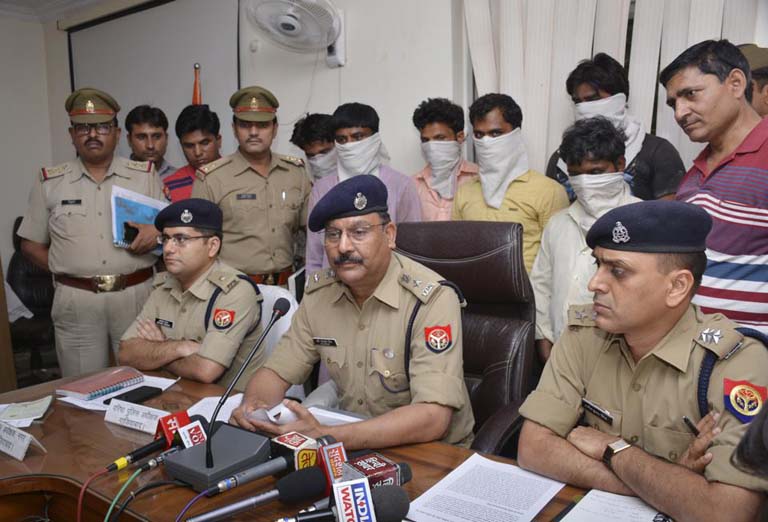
(500, 363)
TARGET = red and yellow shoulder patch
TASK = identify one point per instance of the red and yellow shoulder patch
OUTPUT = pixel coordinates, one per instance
(223, 319)
(743, 399)
(438, 338)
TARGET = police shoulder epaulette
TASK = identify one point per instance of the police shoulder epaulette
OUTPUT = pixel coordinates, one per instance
(160, 278)
(423, 289)
(581, 315)
(293, 160)
(141, 166)
(224, 279)
(721, 339)
(206, 169)
(320, 279)
(55, 172)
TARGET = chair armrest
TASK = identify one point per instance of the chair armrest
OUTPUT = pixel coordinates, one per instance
(498, 430)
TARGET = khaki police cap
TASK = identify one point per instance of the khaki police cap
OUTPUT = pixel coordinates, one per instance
(254, 104)
(89, 105)
(756, 56)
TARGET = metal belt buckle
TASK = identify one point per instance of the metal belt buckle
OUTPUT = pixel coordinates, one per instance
(106, 283)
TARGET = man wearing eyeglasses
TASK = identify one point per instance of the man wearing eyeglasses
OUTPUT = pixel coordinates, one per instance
(67, 229)
(262, 195)
(202, 317)
(354, 317)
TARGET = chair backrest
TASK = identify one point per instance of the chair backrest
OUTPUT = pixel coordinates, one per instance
(32, 284)
(485, 260)
(270, 294)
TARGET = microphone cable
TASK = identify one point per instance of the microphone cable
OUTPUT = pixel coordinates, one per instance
(190, 503)
(120, 493)
(146, 487)
(80, 497)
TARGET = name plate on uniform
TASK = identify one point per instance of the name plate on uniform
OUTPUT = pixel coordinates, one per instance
(15, 442)
(134, 416)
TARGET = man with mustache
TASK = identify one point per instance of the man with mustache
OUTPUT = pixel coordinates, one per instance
(67, 229)
(148, 137)
(202, 318)
(608, 412)
(262, 195)
(709, 88)
(354, 317)
(360, 151)
(506, 189)
(197, 128)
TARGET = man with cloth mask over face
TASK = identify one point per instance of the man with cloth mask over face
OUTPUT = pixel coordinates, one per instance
(599, 87)
(593, 149)
(441, 127)
(361, 152)
(506, 190)
(314, 135)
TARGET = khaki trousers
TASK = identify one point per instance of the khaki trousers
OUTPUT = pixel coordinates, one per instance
(87, 324)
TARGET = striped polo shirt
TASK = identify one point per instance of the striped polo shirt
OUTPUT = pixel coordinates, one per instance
(735, 194)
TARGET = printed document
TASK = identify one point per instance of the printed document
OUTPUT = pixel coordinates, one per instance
(483, 490)
(601, 506)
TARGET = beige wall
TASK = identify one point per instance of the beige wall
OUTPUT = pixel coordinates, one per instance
(24, 123)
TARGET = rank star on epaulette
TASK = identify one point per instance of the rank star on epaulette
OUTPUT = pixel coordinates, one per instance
(416, 282)
(405, 278)
(710, 336)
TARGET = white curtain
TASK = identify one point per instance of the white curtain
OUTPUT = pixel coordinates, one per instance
(527, 48)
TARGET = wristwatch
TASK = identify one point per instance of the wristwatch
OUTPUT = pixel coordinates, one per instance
(612, 449)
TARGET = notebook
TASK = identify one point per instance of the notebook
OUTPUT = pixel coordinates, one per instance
(102, 383)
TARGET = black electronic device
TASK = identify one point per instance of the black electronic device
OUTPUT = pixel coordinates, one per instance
(137, 395)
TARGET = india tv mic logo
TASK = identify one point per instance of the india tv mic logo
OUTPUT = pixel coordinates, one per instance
(353, 500)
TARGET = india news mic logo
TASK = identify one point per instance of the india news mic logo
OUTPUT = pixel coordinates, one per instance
(353, 501)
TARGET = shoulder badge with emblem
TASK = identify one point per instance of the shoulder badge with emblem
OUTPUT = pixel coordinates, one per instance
(423, 290)
(438, 339)
(294, 160)
(581, 315)
(55, 172)
(224, 279)
(141, 166)
(320, 279)
(743, 399)
(720, 339)
(206, 169)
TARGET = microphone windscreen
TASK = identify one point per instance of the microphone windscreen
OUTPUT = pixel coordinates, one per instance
(406, 474)
(391, 503)
(202, 420)
(302, 485)
(282, 306)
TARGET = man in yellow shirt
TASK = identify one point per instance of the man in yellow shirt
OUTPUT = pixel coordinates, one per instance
(506, 190)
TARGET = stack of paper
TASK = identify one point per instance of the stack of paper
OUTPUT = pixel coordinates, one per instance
(21, 414)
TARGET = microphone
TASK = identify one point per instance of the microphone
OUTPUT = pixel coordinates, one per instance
(290, 451)
(390, 504)
(296, 487)
(280, 308)
(165, 438)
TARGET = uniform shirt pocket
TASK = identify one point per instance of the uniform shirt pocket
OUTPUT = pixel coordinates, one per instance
(666, 443)
(389, 372)
(70, 220)
(244, 204)
(593, 420)
(334, 359)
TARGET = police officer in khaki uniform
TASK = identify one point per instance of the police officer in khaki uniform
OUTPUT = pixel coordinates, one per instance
(263, 195)
(354, 317)
(202, 318)
(629, 367)
(67, 229)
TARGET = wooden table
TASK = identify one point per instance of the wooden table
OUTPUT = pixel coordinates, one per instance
(79, 443)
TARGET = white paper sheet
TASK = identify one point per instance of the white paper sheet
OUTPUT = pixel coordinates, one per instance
(483, 490)
(206, 406)
(280, 414)
(97, 404)
(601, 506)
(21, 414)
